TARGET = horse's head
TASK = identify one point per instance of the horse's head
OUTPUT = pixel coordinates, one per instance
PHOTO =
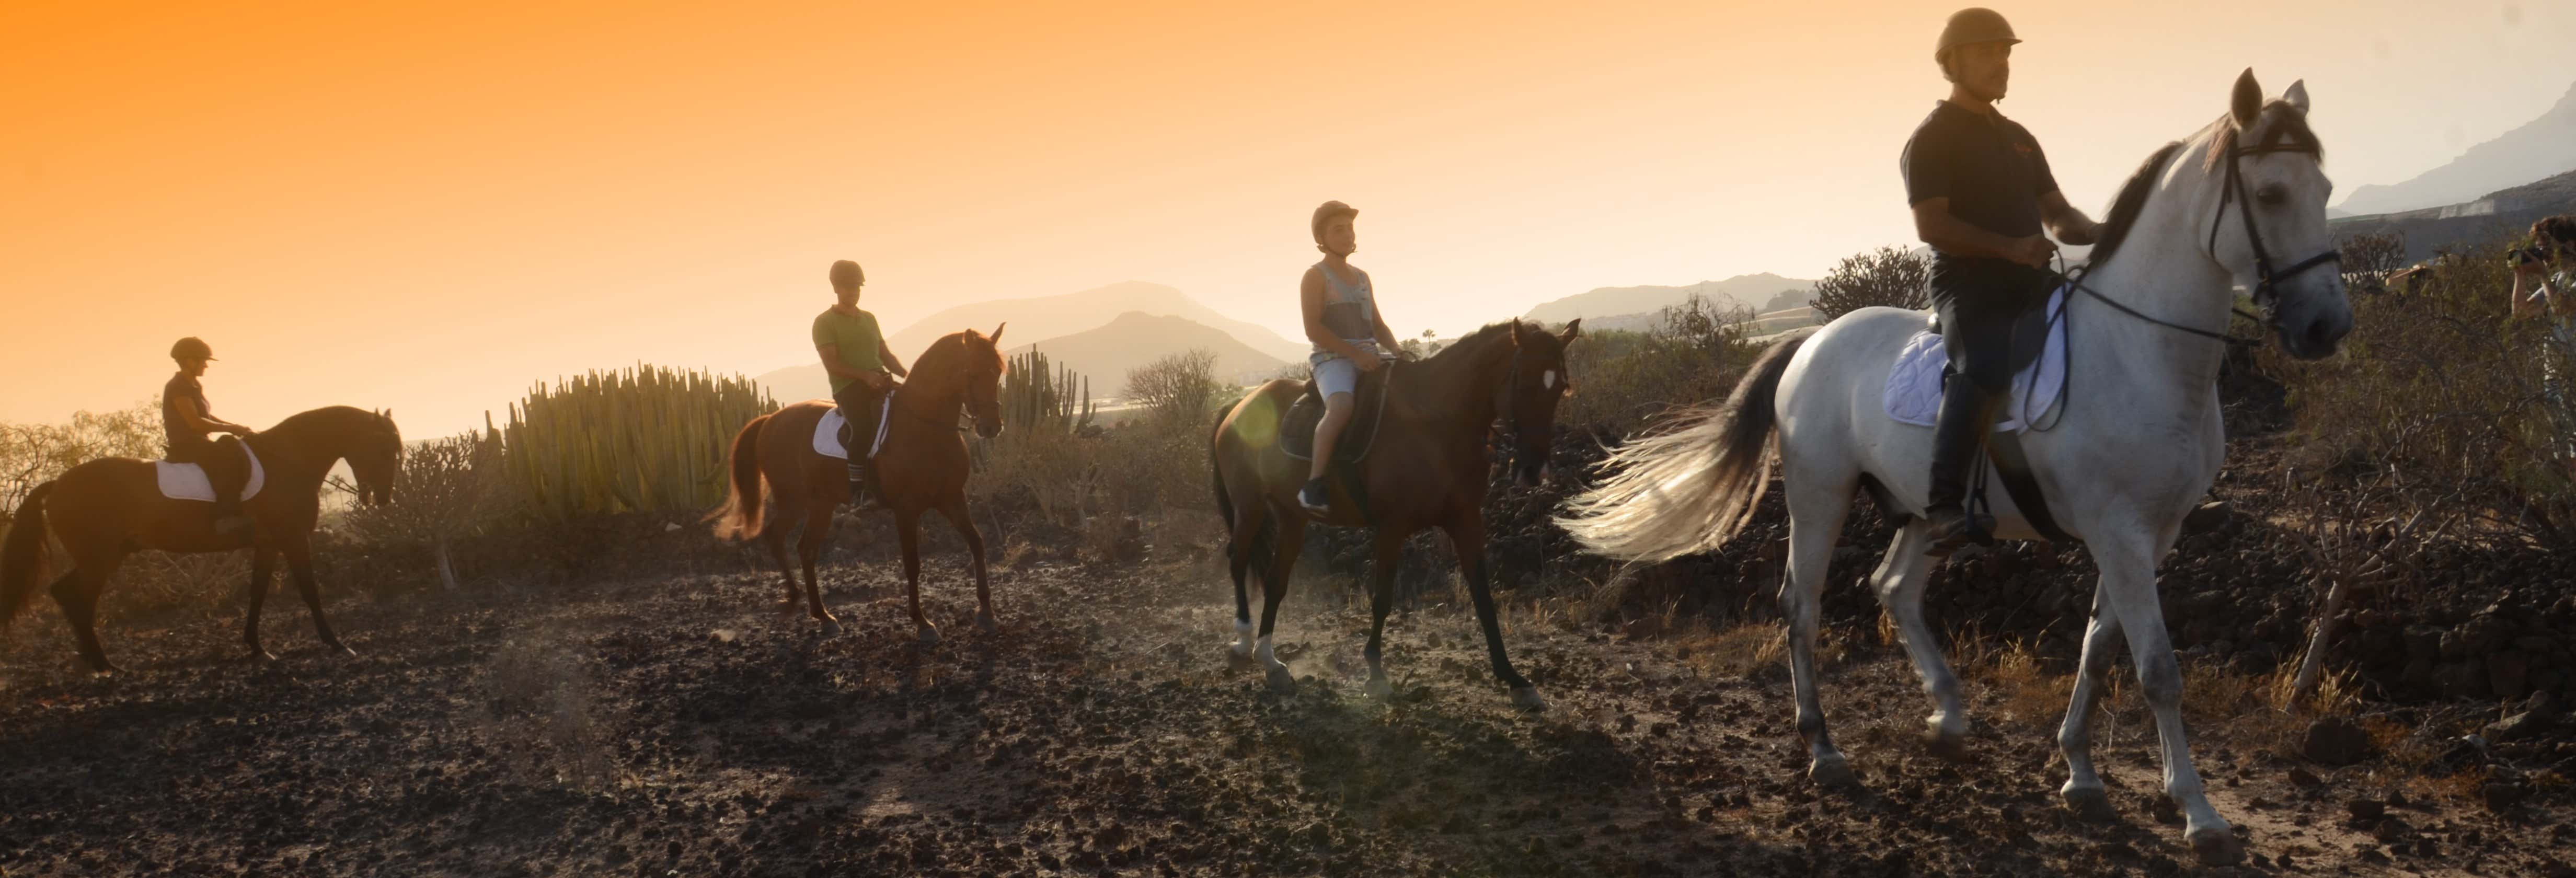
(983, 380)
(376, 458)
(2269, 229)
(1528, 396)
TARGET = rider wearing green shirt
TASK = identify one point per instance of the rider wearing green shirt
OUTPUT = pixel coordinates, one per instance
(862, 371)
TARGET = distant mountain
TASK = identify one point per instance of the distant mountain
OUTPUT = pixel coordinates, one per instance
(1051, 316)
(1103, 353)
(2500, 214)
(2544, 147)
(1133, 339)
(1744, 291)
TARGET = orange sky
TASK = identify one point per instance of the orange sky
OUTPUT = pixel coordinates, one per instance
(431, 207)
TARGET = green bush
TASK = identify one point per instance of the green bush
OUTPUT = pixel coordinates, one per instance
(645, 439)
(1624, 380)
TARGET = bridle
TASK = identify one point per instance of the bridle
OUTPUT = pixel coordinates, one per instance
(2267, 280)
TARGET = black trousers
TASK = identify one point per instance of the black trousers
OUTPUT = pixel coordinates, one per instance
(225, 465)
(1978, 300)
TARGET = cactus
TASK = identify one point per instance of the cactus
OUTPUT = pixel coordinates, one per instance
(646, 438)
(1040, 402)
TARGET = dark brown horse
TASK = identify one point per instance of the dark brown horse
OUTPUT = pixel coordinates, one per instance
(105, 509)
(1427, 468)
(922, 468)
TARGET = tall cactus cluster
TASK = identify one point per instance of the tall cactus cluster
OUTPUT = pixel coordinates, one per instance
(1038, 398)
(642, 439)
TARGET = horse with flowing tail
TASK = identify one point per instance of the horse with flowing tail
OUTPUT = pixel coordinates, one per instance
(922, 467)
(1427, 468)
(103, 510)
(2131, 455)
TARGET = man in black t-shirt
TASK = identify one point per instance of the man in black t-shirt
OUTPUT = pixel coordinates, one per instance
(187, 421)
(1981, 192)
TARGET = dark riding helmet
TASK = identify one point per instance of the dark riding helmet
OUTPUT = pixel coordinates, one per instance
(1975, 24)
(847, 276)
(1326, 212)
(191, 348)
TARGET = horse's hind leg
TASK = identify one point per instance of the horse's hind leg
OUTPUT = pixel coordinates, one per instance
(1274, 586)
(77, 593)
(1815, 521)
(774, 535)
(907, 526)
(2128, 565)
(954, 509)
(1389, 550)
(809, 549)
(1899, 582)
(2083, 791)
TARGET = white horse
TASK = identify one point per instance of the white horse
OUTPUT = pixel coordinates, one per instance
(2137, 446)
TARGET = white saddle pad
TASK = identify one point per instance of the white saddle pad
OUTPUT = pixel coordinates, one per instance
(187, 481)
(827, 432)
(1914, 385)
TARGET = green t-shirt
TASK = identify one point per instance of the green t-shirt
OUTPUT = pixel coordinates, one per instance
(856, 339)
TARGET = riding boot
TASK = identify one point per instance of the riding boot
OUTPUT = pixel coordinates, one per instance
(1958, 434)
(230, 523)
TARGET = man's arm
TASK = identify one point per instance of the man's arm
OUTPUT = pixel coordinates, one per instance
(1949, 234)
(885, 356)
(2066, 222)
(832, 364)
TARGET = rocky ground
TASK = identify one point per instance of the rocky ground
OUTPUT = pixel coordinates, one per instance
(675, 724)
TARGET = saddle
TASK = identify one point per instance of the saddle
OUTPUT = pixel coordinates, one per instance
(2029, 334)
(2004, 458)
(834, 427)
(1297, 429)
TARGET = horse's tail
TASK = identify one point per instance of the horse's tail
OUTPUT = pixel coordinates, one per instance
(1689, 487)
(741, 516)
(1216, 475)
(1258, 550)
(22, 558)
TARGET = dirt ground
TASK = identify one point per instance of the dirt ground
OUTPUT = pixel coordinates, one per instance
(679, 726)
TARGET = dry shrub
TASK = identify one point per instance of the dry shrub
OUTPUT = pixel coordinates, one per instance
(540, 714)
(2032, 695)
(2441, 403)
(1741, 651)
(1623, 380)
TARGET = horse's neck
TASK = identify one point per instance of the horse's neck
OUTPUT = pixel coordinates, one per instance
(2162, 272)
(925, 398)
(1444, 390)
(296, 453)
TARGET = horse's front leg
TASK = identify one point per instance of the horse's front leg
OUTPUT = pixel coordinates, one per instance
(2083, 792)
(954, 509)
(1389, 550)
(1291, 539)
(907, 528)
(262, 562)
(809, 551)
(1467, 539)
(2128, 564)
(299, 564)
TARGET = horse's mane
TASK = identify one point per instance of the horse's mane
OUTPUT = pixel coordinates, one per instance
(2131, 203)
(1478, 340)
(958, 340)
(328, 416)
(2283, 126)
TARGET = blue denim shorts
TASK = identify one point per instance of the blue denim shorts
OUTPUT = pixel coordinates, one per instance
(1335, 373)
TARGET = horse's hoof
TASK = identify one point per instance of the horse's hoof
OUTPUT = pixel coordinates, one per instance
(1951, 747)
(1281, 680)
(985, 622)
(831, 627)
(2216, 846)
(1832, 771)
(2091, 804)
(1526, 698)
(1379, 688)
(1238, 658)
(929, 635)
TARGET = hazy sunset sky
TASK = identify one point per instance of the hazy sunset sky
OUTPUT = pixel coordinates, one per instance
(432, 207)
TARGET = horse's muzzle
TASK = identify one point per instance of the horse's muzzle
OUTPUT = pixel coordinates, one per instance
(2313, 332)
(988, 429)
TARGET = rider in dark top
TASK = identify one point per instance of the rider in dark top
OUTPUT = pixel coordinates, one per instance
(187, 422)
(1981, 192)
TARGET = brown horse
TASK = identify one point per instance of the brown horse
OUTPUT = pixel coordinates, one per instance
(1427, 468)
(105, 509)
(921, 468)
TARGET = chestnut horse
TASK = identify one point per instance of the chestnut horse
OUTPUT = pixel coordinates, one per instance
(922, 467)
(1426, 468)
(105, 509)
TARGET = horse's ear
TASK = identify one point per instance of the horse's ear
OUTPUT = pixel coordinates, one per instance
(996, 337)
(1517, 329)
(2248, 100)
(1572, 328)
(2297, 96)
